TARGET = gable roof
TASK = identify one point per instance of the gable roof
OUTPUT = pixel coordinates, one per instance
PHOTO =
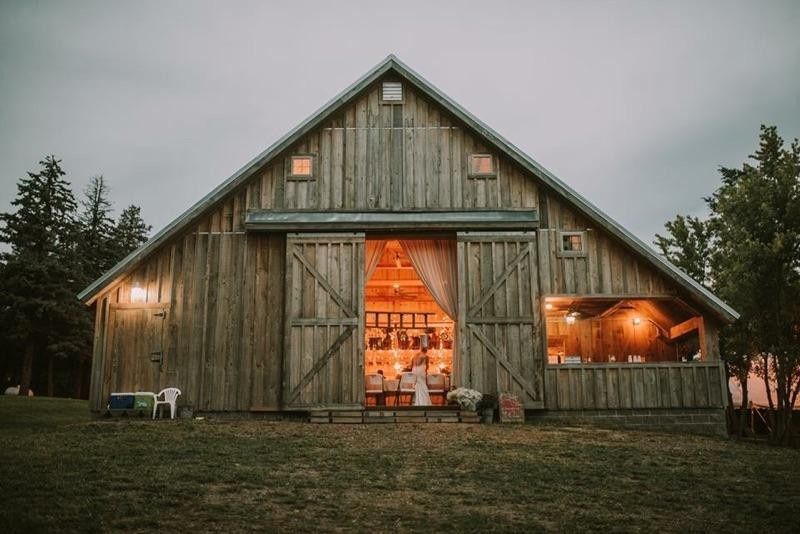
(392, 63)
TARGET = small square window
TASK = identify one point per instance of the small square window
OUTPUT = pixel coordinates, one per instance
(392, 92)
(572, 243)
(301, 167)
(482, 165)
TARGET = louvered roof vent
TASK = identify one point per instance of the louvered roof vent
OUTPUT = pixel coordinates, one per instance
(392, 92)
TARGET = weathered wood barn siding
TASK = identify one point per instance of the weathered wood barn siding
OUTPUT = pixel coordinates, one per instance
(375, 156)
(223, 288)
(220, 341)
(667, 385)
(219, 291)
(607, 268)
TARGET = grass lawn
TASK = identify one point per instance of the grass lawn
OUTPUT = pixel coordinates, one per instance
(61, 471)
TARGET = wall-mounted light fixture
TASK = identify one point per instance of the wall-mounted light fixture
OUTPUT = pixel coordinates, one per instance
(138, 293)
(548, 305)
(637, 321)
(570, 319)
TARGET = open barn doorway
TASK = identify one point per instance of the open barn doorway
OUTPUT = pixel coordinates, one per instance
(410, 305)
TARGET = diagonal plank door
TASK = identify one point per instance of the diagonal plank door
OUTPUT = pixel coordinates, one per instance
(323, 364)
(499, 318)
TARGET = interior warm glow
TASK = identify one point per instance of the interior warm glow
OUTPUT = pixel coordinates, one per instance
(573, 243)
(301, 166)
(482, 164)
(548, 306)
(401, 317)
(612, 330)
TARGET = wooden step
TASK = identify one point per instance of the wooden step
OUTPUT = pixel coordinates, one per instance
(401, 416)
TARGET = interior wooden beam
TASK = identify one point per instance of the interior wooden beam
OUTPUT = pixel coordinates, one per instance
(613, 309)
(686, 327)
(652, 313)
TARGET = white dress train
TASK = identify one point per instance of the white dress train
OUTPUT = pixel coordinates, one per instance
(421, 395)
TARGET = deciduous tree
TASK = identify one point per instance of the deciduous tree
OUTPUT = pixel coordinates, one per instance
(687, 245)
(748, 251)
(756, 263)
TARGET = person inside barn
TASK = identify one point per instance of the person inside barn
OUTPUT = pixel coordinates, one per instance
(419, 366)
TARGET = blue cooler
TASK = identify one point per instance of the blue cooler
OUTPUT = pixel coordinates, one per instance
(121, 401)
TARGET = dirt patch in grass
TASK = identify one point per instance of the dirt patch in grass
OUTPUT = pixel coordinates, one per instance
(59, 470)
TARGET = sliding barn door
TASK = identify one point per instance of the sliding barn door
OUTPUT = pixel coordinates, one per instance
(324, 320)
(499, 315)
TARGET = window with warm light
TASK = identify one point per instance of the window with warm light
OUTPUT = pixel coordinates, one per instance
(598, 330)
(572, 244)
(482, 165)
(301, 167)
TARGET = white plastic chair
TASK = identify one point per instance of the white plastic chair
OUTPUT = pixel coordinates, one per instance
(170, 395)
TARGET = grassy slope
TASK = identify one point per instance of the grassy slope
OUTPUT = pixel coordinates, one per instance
(61, 471)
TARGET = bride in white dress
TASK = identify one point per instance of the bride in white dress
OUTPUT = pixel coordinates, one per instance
(419, 367)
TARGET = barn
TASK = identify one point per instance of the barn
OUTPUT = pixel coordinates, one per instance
(391, 219)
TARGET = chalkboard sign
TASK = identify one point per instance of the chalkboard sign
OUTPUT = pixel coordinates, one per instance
(511, 409)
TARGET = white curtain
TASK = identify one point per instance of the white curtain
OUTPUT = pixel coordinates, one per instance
(373, 250)
(435, 263)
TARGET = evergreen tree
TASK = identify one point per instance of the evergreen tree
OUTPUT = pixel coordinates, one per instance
(96, 253)
(130, 232)
(37, 282)
(96, 247)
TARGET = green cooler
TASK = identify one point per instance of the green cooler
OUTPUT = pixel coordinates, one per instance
(143, 401)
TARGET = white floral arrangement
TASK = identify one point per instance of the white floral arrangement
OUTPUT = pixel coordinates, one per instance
(466, 398)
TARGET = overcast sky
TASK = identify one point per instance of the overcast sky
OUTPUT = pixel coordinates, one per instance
(633, 104)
